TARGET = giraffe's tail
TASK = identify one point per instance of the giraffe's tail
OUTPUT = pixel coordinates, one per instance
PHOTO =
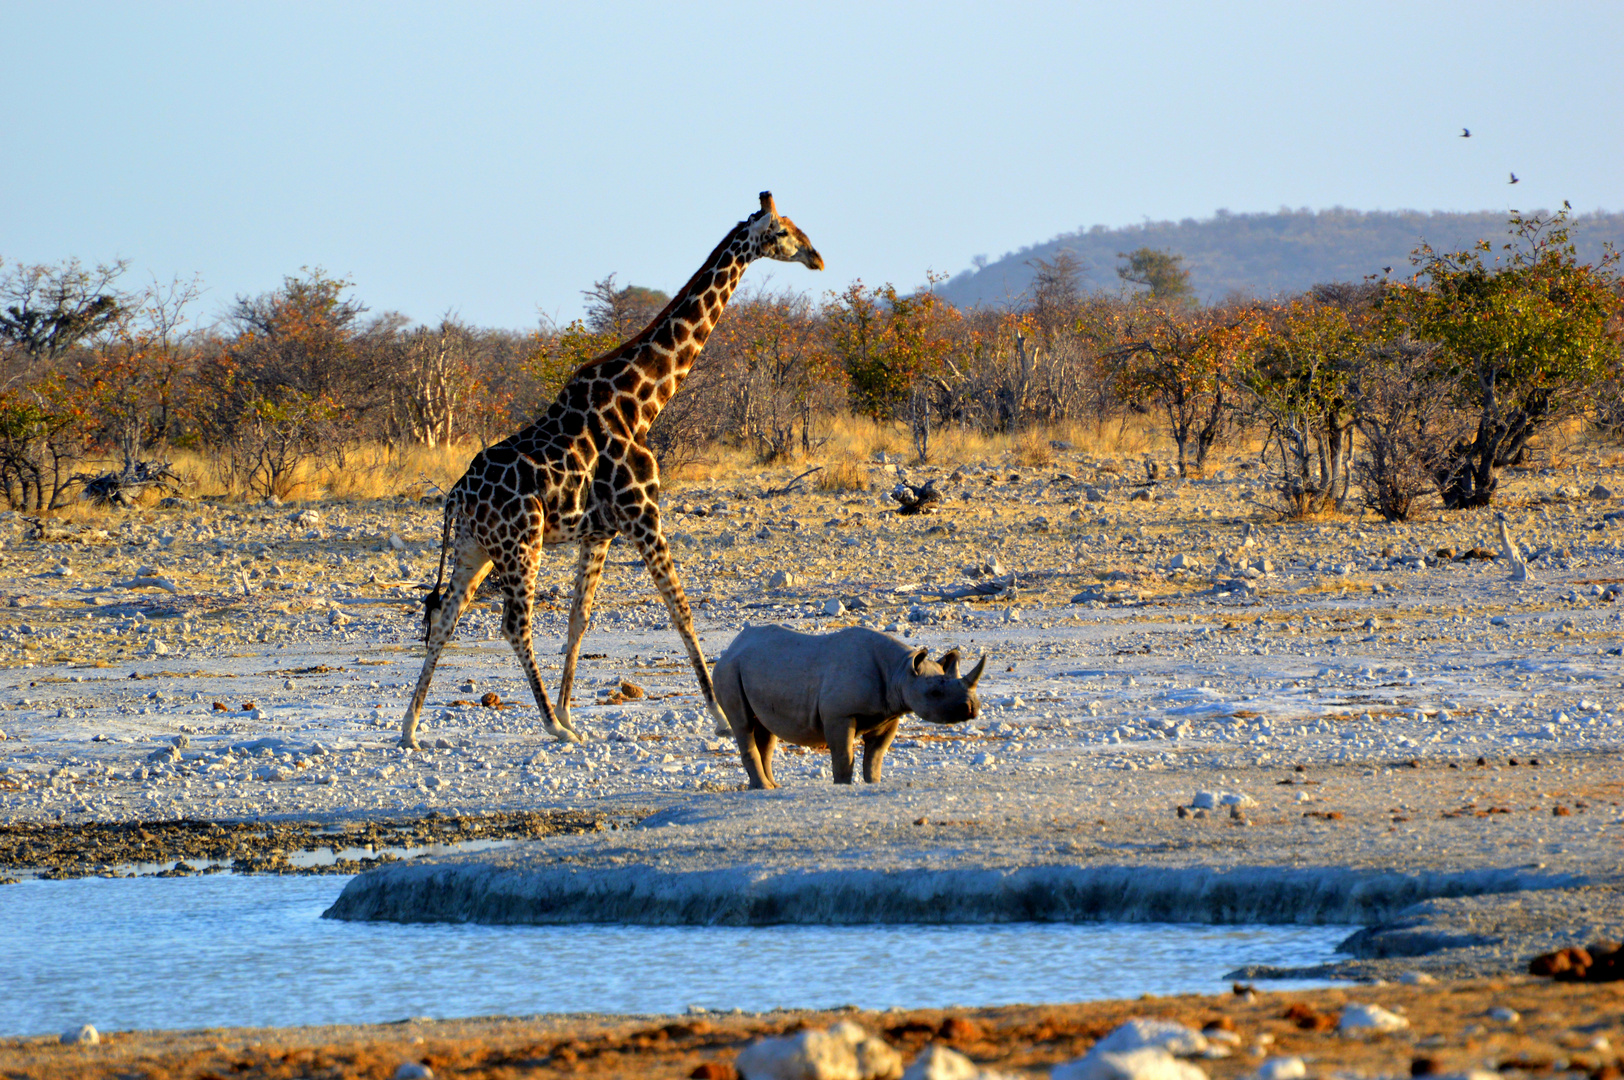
(433, 601)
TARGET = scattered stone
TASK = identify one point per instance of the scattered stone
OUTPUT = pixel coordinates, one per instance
(1282, 1068)
(783, 579)
(833, 607)
(396, 542)
(938, 1062)
(491, 699)
(1601, 492)
(82, 1035)
(1358, 1017)
(1146, 1063)
(1601, 961)
(1211, 800)
(1167, 1035)
(414, 1070)
(1504, 1015)
(843, 1052)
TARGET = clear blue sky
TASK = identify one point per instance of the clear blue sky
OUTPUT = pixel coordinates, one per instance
(494, 159)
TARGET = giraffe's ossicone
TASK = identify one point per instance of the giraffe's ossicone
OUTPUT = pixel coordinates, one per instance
(583, 472)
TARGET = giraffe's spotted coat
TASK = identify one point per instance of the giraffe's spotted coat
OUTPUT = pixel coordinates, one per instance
(583, 473)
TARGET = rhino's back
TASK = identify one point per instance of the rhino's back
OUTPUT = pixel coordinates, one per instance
(788, 676)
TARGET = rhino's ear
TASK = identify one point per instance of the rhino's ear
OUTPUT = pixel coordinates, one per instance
(918, 660)
(950, 663)
(975, 673)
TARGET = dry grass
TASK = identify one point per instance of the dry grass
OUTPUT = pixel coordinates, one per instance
(1034, 449)
(370, 471)
(842, 476)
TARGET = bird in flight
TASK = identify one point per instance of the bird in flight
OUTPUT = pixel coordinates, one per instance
(1514, 178)
(1466, 133)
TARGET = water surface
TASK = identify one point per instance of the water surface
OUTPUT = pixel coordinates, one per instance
(232, 950)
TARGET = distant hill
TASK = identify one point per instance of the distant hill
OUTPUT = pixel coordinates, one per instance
(1264, 254)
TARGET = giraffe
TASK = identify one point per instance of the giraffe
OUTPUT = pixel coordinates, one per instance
(583, 472)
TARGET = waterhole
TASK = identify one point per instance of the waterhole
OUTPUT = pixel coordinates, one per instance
(231, 950)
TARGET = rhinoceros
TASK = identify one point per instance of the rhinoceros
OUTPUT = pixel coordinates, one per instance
(829, 689)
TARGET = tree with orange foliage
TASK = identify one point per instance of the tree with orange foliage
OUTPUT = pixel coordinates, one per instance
(890, 346)
(769, 364)
(1183, 362)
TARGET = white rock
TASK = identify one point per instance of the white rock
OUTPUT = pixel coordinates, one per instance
(844, 1052)
(941, 1063)
(414, 1070)
(1357, 1016)
(82, 1034)
(1205, 800)
(396, 542)
(833, 606)
(1417, 978)
(1146, 1063)
(1185, 562)
(1504, 1015)
(1168, 1035)
(1282, 1068)
(783, 579)
(1230, 798)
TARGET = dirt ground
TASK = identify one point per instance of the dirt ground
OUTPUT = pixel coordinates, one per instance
(177, 848)
(1560, 1028)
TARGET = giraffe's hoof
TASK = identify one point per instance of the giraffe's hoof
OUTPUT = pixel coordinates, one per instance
(409, 743)
(565, 734)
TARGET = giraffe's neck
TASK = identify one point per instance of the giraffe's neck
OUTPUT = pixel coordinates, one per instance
(665, 351)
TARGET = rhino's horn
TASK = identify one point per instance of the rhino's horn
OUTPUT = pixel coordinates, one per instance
(950, 663)
(975, 673)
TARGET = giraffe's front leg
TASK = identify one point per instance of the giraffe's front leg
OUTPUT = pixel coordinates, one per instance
(520, 590)
(470, 569)
(650, 542)
(588, 569)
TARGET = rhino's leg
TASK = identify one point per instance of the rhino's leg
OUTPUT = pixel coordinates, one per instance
(875, 744)
(840, 734)
(765, 743)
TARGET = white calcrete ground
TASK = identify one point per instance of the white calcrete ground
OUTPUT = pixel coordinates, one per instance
(1145, 656)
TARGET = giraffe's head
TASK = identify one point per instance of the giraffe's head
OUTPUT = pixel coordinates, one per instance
(775, 237)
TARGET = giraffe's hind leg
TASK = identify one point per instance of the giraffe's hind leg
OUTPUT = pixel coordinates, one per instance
(470, 569)
(588, 569)
(520, 588)
(645, 534)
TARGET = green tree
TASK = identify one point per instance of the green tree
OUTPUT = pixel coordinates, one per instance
(1161, 271)
(1298, 376)
(1520, 338)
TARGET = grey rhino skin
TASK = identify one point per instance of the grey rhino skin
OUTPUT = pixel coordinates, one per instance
(828, 689)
